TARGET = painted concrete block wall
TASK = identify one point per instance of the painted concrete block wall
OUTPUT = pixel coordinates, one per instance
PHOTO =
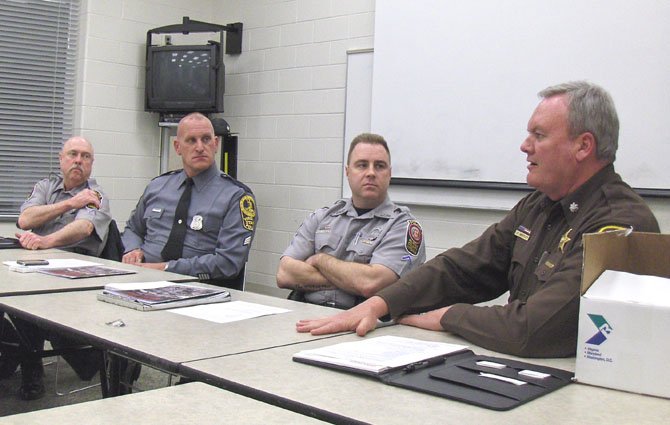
(110, 99)
(284, 96)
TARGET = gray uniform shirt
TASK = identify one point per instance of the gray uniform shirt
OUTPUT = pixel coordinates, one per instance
(51, 191)
(388, 235)
(221, 223)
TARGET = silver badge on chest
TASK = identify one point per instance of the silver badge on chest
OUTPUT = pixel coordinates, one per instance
(196, 223)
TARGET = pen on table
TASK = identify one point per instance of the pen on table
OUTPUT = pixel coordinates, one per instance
(422, 364)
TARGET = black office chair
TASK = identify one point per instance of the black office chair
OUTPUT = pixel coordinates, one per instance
(9, 348)
(10, 352)
(113, 249)
(236, 282)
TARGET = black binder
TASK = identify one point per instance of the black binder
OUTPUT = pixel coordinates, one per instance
(458, 377)
(9, 243)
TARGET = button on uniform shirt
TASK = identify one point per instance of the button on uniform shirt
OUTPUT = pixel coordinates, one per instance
(51, 191)
(388, 235)
(535, 253)
(221, 223)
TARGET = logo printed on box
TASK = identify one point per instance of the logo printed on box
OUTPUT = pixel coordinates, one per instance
(604, 329)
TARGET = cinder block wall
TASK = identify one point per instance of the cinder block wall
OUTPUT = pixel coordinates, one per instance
(285, 97)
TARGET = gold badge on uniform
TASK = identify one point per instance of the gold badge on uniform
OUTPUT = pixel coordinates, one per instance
(414, 237)
(564, 239)
(248, 211)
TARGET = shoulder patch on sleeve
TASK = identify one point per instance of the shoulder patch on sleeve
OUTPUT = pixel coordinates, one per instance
(248, 212)
(611, 227)
(414, 237)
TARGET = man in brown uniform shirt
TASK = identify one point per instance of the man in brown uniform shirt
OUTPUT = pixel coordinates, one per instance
(535, 252)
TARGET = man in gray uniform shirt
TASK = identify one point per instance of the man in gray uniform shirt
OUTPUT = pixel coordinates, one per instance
(345, 253)
(220, 221)
(68, 211)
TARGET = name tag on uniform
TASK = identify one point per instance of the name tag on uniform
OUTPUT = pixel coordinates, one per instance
(522, 233)
(157, 210)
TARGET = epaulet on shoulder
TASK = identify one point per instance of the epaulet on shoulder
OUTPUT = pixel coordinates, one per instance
(236, 182)
(337, 205)
(169, 173)
(400, 209)
(55, 177)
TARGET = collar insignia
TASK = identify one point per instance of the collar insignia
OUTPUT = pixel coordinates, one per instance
(574, 207)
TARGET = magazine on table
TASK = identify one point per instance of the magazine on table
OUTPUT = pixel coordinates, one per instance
(161, 295)
(84, 271)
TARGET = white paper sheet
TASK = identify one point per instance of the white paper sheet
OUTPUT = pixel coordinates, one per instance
(228, 312)
(138, 285)
(54, 263)
(380, 353)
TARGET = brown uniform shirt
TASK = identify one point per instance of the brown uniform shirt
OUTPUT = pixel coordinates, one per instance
(535, 252)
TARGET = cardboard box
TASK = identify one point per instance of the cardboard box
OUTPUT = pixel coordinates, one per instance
(623, 340)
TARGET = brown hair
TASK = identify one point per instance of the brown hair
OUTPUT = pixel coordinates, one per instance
(371, 139)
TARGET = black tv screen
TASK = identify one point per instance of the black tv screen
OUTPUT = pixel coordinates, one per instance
(184, 79)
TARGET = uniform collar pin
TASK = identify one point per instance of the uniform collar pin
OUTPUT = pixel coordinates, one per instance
(574, 207)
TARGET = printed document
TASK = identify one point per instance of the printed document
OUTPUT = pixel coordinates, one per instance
(228, 312)
(379, 354)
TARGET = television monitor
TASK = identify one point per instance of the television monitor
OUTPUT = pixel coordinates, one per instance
(182, 79)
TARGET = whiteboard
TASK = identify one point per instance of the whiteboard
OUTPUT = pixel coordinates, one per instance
(357, 120)
(358, 102)
(454, 83)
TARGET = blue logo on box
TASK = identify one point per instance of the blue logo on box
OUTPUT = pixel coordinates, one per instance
(604, 329)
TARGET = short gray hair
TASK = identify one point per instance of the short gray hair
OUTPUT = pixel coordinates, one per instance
(590, 109)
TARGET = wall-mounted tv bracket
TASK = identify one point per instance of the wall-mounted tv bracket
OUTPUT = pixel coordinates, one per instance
(233, 37)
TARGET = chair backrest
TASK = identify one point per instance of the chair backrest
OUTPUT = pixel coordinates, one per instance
(113, 249)
(236, 282)
(9, 347)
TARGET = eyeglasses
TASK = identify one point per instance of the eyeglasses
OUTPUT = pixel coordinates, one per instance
(85, 156)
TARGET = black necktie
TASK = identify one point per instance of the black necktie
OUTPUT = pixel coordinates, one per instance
(175, 243)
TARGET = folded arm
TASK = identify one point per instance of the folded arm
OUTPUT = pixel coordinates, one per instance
(360, 279)
(38, 215)
(296, 274)
(69, 234)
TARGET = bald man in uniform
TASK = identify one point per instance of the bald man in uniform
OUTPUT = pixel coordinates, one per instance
(220, 220)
